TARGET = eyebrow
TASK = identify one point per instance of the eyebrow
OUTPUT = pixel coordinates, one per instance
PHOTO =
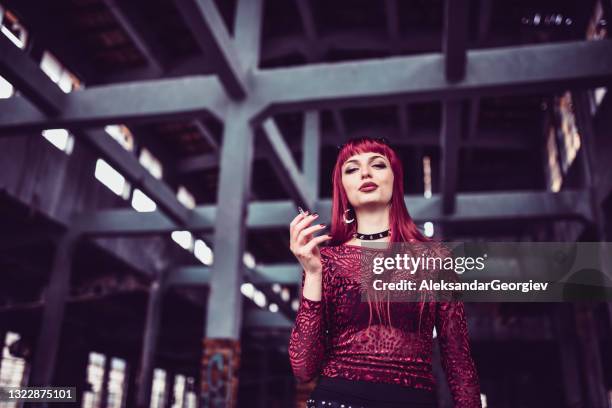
(369, 160)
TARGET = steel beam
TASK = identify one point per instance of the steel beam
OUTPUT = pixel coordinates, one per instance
(248, 31)
(56, 293)
(126, 164)
(210, 33)
(392, 20)
(454, 48)
(124, 103)
(199, 275)
(504, 140)
(230, 227)
(132, 24)
(21, 71)
(311, 150)
(111, 151)
(267, 215)
(149, 344)
(455, 39)
(449, 142)
(500, 71)
(286, 169)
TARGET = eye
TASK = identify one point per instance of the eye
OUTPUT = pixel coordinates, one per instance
(380, 165)
(349, 170)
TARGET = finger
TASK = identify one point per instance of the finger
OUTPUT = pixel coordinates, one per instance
(294, 222)
(297, 219)
(316, 241)
(304, 223)
(305, 234)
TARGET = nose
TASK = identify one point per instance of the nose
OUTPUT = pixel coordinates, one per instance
(365, 172)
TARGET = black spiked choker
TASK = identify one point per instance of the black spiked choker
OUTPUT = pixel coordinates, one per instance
(370, 237)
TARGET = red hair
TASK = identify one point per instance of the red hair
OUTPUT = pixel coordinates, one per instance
(403, 228)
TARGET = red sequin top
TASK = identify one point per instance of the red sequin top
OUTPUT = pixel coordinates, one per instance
(331, 337)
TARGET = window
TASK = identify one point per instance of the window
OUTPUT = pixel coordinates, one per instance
(66, 81)
(249, 260)
(597, 29)
(122, 135)
(483, 400)
(112, 179)
(142, 203)
(158, 389)
(184, 239)
(185, 197)
(554, 171)
(570, 138)
(60, 138)
(116, 383)
(428, 229)
(150, 163)
(12, 29)
(426, 176)
(95, 377)
(191, 399)
(203, 252)
(12, 369)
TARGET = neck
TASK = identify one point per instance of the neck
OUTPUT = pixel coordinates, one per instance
(372, 219)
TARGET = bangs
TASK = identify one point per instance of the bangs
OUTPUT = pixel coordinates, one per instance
(362, 145)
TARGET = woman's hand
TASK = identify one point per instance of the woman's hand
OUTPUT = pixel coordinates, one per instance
(303, 245)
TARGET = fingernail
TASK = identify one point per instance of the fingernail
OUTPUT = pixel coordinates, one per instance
(315, 215)
(322, 225)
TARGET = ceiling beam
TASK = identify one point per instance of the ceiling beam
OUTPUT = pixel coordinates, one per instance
(248, 31)
(199, 275)
(473, 107)
(489, 139)
(125, 162)
(311, 50)
(37, 18)
(210, 33)
(133, 25)
(38, 85)
(455, 39)
(267, 215)
(454, 48)
(24, 74)
(168, 99)
(307, 18)
(501, 71)
(286, 169)
(392, 19)
(514, 70)
(449, 143)
(339, 124)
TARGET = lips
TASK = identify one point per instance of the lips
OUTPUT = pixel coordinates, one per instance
(369, 186)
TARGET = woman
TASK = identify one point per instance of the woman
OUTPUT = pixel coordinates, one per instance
(362, 361)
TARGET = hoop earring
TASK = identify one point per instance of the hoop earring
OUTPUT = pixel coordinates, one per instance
(344, 217)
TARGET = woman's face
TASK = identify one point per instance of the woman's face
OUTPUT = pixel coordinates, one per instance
(367, 179)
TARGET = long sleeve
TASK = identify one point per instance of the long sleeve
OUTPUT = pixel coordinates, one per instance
(306, 345)
(451, 326)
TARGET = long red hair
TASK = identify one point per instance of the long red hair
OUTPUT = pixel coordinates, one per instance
(403, 228)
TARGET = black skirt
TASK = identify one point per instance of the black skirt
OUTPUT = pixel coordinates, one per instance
(342, 393)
